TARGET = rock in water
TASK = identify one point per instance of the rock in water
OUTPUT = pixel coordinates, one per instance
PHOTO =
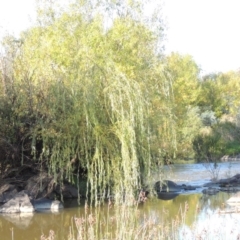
(210, 191)
(19, 203)
(47, 204)
(166, 186)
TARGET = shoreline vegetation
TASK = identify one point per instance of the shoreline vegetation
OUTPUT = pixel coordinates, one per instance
(225, 158)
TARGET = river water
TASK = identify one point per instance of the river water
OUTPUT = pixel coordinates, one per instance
(201, 214)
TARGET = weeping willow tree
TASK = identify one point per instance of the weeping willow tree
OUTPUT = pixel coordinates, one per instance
(85, 95)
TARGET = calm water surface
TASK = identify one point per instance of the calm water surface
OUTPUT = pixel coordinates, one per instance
(201, 208)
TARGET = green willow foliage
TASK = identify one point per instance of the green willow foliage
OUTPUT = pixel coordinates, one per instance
(84, 96)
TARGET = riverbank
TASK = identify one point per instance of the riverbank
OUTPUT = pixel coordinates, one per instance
(228, 158)
(225, 158)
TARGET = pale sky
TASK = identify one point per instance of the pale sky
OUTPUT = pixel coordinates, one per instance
(209, 30)
(15, 15)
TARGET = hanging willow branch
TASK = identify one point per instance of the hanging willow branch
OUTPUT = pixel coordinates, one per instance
(92, 93)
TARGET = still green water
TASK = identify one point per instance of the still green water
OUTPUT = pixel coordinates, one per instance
(197, 205)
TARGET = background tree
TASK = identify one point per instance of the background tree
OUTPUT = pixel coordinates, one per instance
(218, 102)
(184, 77)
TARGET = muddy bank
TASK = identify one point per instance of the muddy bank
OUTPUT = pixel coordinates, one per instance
(228, 158)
